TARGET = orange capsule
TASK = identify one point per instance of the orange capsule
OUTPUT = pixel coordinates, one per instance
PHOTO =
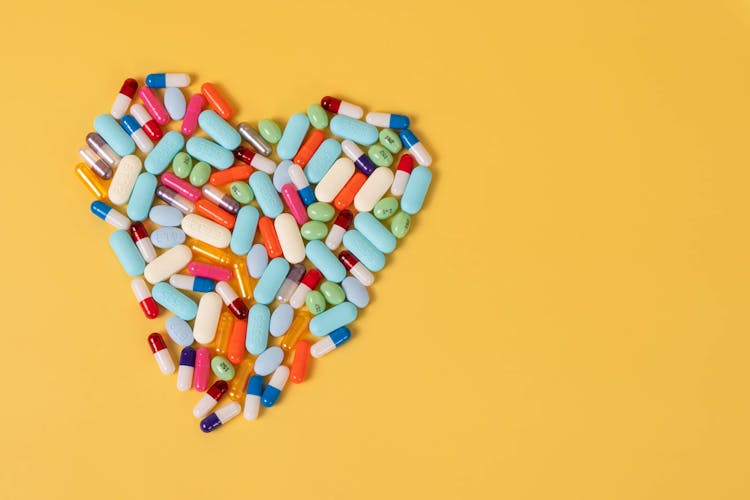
(299, 365)
(296, 330)
(349, 191)
(270, 238)
(92, 182)
(244, 282)
(210, 252)
(309, 147)
(236, 346)
(215, 213)
(236, 173)
(216, 100)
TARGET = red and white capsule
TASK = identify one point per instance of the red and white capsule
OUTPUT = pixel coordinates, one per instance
(161, 354)
(255, 160)
(140, 237)
(308, 283)
(341, 107)
(147, 123)
(339, 227)
(143, 296)
(124, 98)
(210, 399)
(231, 300)
(403, 172)
(356, 268)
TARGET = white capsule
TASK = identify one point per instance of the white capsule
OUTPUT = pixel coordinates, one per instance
(362, 274)
(140, 289)
(147, 249)
(167, 264)
(298, 177)
(185, 377)
(334, 180)
(352, 110)
(124, 179)
(164, 360)
(263, 164)
(228, 412)
(373, 189)
(204, 406)
(207, 318)
(205, 230)
(142, 141)
(399, 182)
(165, 80)
(290, 238)
(322, 347)
(140, 114)
(226, 292)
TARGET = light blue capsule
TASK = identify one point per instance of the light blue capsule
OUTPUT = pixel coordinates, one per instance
(268, 361)
(142, 197)
(165, 215)
(174, 101)
(354, 130)
(208, 151)
(219, 130)
(281, 175)
(294, 134)
(127, 253)
(174, 300)
(244, 230)
(164, 152)
(258, 320)
(167, 237)
(416, 190)
(270, 282)
(257, 260)
(179, 331)
(379, 235)
(114, 135)
(321, 162)
(335, 317)
(372, 258)
(356, 292)
(326, 262)
(265, 194)
(281, 319)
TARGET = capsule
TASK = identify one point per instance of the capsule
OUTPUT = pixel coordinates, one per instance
(356, 268)
(232, 174)
(415, 147)
(221, 199)
(239, 269)
(124, 97)
(216, 100)
(110, 215)
(164, 80)
(216, 214)
(140, 237)
(223, 331)
(182, 187)
(192, 283)
(403, 172)
(340, 225)
(308, 283)
(94, 161)
(101, 148)
(275, 386)
(220, 417)
(154, 106)
(270, 239)
(231, 300)
(252, 398)
(143, 296)
(387, 120)
(161, 354)
(255, 160)
(300, 182)
(290, 283)
(91, 181)
(131, 126)
(330, 342)
(360, 159)
(202, 369)
(210, 399)
(171, 197)
(298, 328)
(147, 123)
(192, 112)
(238, 383)
(290, 195)
(309, 147)
(186, 369)
(211, 253)
(341, 107)
(299, 364)
(236, 346)
(213, 272)
(350, 190)
(254, 138)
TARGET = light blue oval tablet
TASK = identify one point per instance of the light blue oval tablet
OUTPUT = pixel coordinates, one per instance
(265, 194)
(257, 260)
(326, 262)
(219, 130)
(294, 134)
(356, 292)
(364, 251)
(142, 197)
(258, 320)
(244, 230)
(174, 101)
(164, 152)
(210, 152)
(354, 130)
(179, 331)
(281, 175)
(167, 237)
(165, 215)
(127, 253)
(335, 317)
(114, 135)
(416, 190)
(281, 320)
(379, 235)
(174, 300)
(321, 162)
(270, 282)
(268, 361)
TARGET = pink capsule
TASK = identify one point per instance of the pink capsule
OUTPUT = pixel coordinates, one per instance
(202, 369)
(186, 189)
(216, 273)
(294, 202)
(231, 300)
(153, 105)
(194, 108)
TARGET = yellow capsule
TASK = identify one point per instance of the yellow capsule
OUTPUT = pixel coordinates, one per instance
(296, 330)
(239, 382)
(244, 283)
(211, 253)
(92, 182)
(226, 320)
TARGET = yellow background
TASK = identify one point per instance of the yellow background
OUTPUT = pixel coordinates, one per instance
(566, 320)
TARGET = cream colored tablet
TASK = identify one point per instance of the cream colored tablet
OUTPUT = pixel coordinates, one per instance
(290, 238)
(373, 189)
(207, 318)
(124, 179)
(335, 179)
(167, 264)
(205, 230)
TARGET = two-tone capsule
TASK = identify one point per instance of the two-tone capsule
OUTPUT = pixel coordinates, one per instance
(220, 417)
(101, 148)
(186, 368)
(290, 283)
(143, 295)
(173, 198)
(110, 215)
(360, 159)
(165, 80)
(147, 123)
(300, 182)
(139, 136)
(231, 300)
(387, 120)
(415, 147)
(275, 386)
(356, 268)
(142, 241)
(124, 98)
(252, 398)
(192, 283)
(210, 399)
(339, 227)
(403, 172)
(223, 200)
(330, 342)
(161, 354)
(340, 107)
(255, 160)
(308, 283)
(97, 164)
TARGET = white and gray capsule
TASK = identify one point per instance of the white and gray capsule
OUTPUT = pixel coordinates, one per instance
(98, 165)
(174, 199)
(220, 198)
(103, 149)
(253, 137)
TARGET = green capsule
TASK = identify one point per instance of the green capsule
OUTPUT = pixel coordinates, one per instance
(400, 224)
(320, 211)
(270, 130)
(200, 174)
(313, 230)
(222, 368)
(390, 140)
(332, 292)
(317, 116)
(385, 208)
(182, 164)
(241, 192)
(380, 156)
(315, 302)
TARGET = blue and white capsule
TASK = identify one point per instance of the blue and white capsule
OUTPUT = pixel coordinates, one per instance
(192, 283)
(252, 398)
(415, 147)
(298, 178)
(220, 417)
(360, 159)
(185, 371)
(110, 215)
(330, 342)
(134, 130)
(387, 120)
(164, 80)
(273, 389)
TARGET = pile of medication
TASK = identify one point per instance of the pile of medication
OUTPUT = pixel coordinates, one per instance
(259, 242)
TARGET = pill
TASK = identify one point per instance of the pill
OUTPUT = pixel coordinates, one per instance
(386, 120)
(363, 250)
(330, 342)
(271, 280)
(161, 354)
(147, 122)
(375, 232)
(236, 345)
(127, 253)
(281, 175)
(102, 149)
(416, 190)
(223, 200)
(363, 162)
(255, 160)
(270, 130)
(385, 208)
(335, 317)
(231, 300)
(298, 328)
(257, 260)
(207, 231)
(174, 301)
(219, 130)
(317, 116)
(91, 182)
(162, 80)
(242, 277)
(179, 331)
(167, 237)
(215, 255)
(96, 163)
(356, 293)
(322, 258)
(268, 361)
(322, 160)
(203, 270)
(222, 368)
(354, 130)
(200, 173)
(114, 135)
(300, 182)
(390, 141)
(186, 368)
(338, 229)
(207, 318)
(140, 237)
(356, 268)
(308, 283)
(340, 107)
(208, 151)
(281, 319)
(144, 298)
(380, 156)
(217, 101)
(153, 105)
(220, 417)
(400, 224)
(315, 302)
(202, 369)
(313, 230)
(255, 139)
(124, 179)
(258, 324)
(244, 230)
(221, 340)
(190, 192)
(332, 292)
(291, 242)
(299, 363)
(265, 194)
(320, 211)
(252, 399)
(294, 134)
(174, 102)
(162, 155)
(291, 198)
(167, 264)
(275, 386)
(346, 196)
(133, 128)
(192, 283)
(215, 213)
(123, 98)
(290, 283)
(182, 164)
(309, 147)
(142, 197)
(174, 199)
(210, 399)
(334, 180)
(192, 111)
(236, 173)
(415, 147)
(109, 215)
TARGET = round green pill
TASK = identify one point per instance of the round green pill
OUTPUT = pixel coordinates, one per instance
(313, 230)
(182, 164)
(400, 224)
(315, 302)
(320, 211)
(385, 208)
(200, 174)
(222, 368)
(270, 130)
(390, 140)
(380, 156)
(332, 292)
(241, 192)
(317, 116)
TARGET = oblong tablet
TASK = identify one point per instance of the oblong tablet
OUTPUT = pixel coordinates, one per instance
(207, 318)
(164, 152)
(207, 231)
(356, 292)
(294, 134)
(326, 262)
(174, 300)
(373, 189)
(334, 180)
(258, 321)
(416, 190)
(142, 197)
(257, 260)
(335, 317)
(375, 232)
(219, 130)
(281, 320)
(364, 251)
(167, 264)
(268, 361)
(179, 331)
(114, 135)
(290, 238)
(167, 237)
(127, 253)
(124, 179)
(354, 130)
(266, 195)
(209, 152)
(244, 230)
(321, 161)
(271, 280)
